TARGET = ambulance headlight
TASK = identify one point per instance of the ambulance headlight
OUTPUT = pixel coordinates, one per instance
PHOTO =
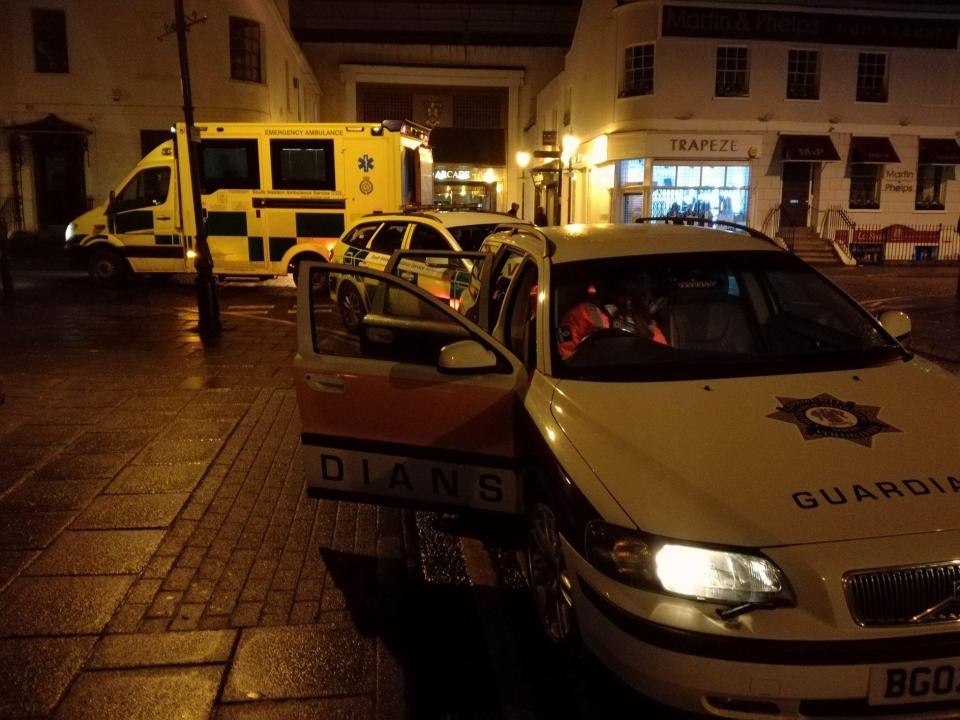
(713, 575)
(70, 232)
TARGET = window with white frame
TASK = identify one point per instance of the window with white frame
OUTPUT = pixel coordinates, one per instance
(245, 50)
(872, 77)
(733, 72)
(630, 183)
(638, 70)
(865, 186)
(803, 75)
(931, 186)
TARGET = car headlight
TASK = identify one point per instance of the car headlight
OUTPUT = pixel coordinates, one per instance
(715, 575)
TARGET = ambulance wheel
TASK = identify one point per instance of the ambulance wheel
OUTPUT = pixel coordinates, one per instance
(107, 267)
(294, 267)
(351, 305)
(548, 577)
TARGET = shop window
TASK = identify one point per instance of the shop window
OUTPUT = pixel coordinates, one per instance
(302, 164)
(638, 70)
(931, 187)
(631, 172)
(872, 77)
(865, 186)
(49, 41)
(733, 72)
(803, 75)
(229, 164)
(244, 50)
(714, 192)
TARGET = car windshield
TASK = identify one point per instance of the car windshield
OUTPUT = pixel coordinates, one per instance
(471, 237)
(703, 315)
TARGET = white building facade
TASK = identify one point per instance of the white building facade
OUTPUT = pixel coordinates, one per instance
(836, 115)
(90, 87)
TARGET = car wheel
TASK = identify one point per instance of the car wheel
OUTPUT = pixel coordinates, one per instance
(107, 267)
(352, 308)
(548, 576)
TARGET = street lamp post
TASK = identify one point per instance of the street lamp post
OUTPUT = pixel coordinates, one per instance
(570, 145)
(208, 305)
(523, 160)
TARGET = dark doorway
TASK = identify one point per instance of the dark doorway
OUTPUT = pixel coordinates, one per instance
(58, 177)
(795, 200)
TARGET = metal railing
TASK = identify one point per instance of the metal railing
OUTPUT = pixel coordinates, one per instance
(771, 223)
(877, 243)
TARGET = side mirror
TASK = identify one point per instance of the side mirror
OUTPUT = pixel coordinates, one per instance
(466, 357)
(896, 323)
(112, 203)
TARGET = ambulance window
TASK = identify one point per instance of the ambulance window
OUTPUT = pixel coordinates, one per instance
(389, 238)
(302, 164)
(360, 235)
(229, 164)
(147, 188)
(426, 238)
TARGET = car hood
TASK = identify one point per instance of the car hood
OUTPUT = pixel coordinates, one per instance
(739, 461)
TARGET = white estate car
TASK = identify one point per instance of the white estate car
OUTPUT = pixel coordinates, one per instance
(742, 493)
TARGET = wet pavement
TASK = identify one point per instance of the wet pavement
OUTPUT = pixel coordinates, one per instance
(158, 557)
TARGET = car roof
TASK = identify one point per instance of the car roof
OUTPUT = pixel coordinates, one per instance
(448, 218)
(570, 243)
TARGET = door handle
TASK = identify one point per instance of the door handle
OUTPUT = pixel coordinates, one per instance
(163, 217)
(325, 383)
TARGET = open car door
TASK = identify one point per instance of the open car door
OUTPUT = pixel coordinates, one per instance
(415, 407)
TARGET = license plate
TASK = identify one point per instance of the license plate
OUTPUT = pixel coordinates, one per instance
(929, 681)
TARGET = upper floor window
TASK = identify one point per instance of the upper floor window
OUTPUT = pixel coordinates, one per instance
(244, 50)
(872, 77)
(50, 41)
(733, 72)
(803, 75)
(638, 70)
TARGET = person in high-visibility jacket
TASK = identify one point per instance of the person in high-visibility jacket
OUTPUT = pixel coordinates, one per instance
(590, 316)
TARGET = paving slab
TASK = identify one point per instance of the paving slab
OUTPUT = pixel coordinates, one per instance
(36, 671)
(81, 467)
(61, 605)
(41, 435)
(177, 450)
(172, 648)
(131, 511)
(117, 441)
(52, 495)
(182, 477)
(185, 693)
(33, 531)
(26, 456)
(12, 561)
(352, 708)
(98, 552)
(301, 661)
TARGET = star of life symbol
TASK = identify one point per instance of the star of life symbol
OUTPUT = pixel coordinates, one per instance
(951, 601)
(826, 416)
(365, 163)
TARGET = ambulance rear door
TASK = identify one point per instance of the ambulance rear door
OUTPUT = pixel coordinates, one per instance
(417, 408)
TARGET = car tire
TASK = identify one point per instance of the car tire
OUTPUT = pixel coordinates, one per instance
(107, 267)
(548, 578)
(352, 307)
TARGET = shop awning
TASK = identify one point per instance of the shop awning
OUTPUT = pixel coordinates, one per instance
(939, 151)
(807, 148)
(872, 150)
(50, 125)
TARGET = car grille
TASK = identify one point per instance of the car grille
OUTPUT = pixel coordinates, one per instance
(907, 595)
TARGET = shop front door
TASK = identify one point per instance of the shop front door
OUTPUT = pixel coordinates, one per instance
(795, 199)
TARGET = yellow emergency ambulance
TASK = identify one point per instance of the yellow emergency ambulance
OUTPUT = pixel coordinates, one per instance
(272, 195)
